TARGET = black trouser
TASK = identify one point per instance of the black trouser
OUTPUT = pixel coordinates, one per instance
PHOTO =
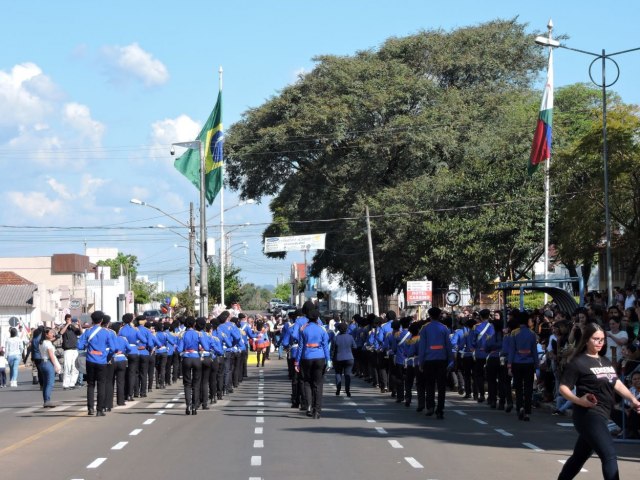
(467, 373)
(161, 367)
(245, 360)
(213, 379)
(381, 368)
(398, 379)
(291, 366)
(108, 385)
(143, 375)
(133, 361)
(237, 369)
(435, 376)
(372, 367)
(593, 436)
(172, 362)
(228, 371)
(313, 371)
(504, 384)
(119, 374)
(493, 373)
(409, 377)
(420, 387)
(220, 377)
(191, 372)
(523, 383)
(38, 362)
(205, 380)
(151, 372)
(343, 370)
(297, 391)
(478, 377)
(177, 367)
(95, 378)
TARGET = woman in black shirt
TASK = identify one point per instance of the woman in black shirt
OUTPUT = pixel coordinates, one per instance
(595, 380)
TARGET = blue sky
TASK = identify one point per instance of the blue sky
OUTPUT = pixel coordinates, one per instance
(93, 93)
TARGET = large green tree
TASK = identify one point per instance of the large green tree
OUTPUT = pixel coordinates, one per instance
(421, 129)
(232, 284)
(123, 264)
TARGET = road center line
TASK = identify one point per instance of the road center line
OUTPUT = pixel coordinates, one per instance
(260, 412)
(361, 411)
(584, 470)
(119, 446)
(481, 422)
(395, 444)
(460, 412)
(170, 405)
(149, 421)
(96, 463)
(533, 447)
(256, 461)
(381, 431)
(259, 419)
(258, 431)
(258, 444)
(135, 432)
(369, 420)
(503, 432)
(160, 412)
(413, 462)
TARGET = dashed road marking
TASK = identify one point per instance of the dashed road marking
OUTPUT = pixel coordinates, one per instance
(155, 405)
(258, 444)
(60, 408)
(504, 432)
(259, 419)
(460, 412)
(260, 412)
(583, 470)
(258, 431)
(119, 446)
(260, 398)
(413, 462)
(533, 447)
(170, 405)
(96, 463)
(135, 432)
(149, 421)
(256, 461)
(481, 422)
(381, 431)
(369, 420)
(395, 444)
(361, 411)
(352, 404)
(160, 412)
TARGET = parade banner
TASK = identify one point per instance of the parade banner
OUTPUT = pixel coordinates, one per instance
(295, 243)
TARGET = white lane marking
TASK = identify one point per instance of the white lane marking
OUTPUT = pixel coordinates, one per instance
(361, 411)
(181, 393)
(381, 431)
(259, 419)
(155, 405)
(149, 421)
(160, 412)
(533, 447)
(369, 420)
(258, 444)
(395, 444)
(260, 398)
(170, 405)
(256, 461)
(413, 462)
(481, 422)
(175, 399)
(352, 404)
(565, 424)
(503, 432)
(260, 412)
(119, 446)
(261, 404)
(258, 431)
(135, 432)
(96, 463)
(60, 408)
(33, 409)
(584, 470)
(282, 404)
(460, 412)
(128, 405)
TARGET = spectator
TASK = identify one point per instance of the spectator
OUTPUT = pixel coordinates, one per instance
(3, 371)
(630, 299)
(13, 348)
(616, 339)
(50, 366)
(70, 333)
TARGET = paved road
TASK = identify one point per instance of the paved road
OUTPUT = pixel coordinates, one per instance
(256, 435)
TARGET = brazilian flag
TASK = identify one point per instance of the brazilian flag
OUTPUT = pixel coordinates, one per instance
(212, 138)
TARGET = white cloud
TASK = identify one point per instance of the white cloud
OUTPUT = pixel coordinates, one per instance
(133, 61)
(59, 188)
(35, 204)
(90, 185)
(26, 95)
(78, 116)
(171, 130)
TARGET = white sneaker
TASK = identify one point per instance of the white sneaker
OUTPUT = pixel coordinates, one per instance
(14, 383)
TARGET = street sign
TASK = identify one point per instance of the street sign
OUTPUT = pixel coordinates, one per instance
(419, 292)
(75, 303)
(295, 243)
(452, 297)
(14, 322)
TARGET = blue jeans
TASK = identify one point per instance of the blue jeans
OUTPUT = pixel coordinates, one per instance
(14, 363)
(49, 374)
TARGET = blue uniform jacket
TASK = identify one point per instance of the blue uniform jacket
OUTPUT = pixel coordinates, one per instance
(384, 329)
(171, 342)
(343, 344)
(480, 337)
(97, 348)
(121, 349)
(146, 342)
(523, 347)
(410, 351)
(314, 343)
(229, 334)
(396, 343)
(434, 343)
(216, 346)
(161, 343)
(494, 345)
(131, 334)
(286, 335)
(189, 344)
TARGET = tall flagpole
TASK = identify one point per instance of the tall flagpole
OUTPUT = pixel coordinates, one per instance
(547, 189)
(222, 239)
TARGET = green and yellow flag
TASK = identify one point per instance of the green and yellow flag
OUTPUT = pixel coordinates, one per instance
(212, 138)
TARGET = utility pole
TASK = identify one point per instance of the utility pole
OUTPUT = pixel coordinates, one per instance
(372, 266)
(192, 252)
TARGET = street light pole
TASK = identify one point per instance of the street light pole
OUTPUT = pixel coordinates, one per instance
(603, 57)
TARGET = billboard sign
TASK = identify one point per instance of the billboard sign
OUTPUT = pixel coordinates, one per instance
(419, 292)
(295, 243)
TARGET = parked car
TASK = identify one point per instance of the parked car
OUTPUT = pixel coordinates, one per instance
(153, 315)
(273, 304)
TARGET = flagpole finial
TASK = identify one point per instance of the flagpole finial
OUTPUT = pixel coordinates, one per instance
(220, 77)
(550, 26)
